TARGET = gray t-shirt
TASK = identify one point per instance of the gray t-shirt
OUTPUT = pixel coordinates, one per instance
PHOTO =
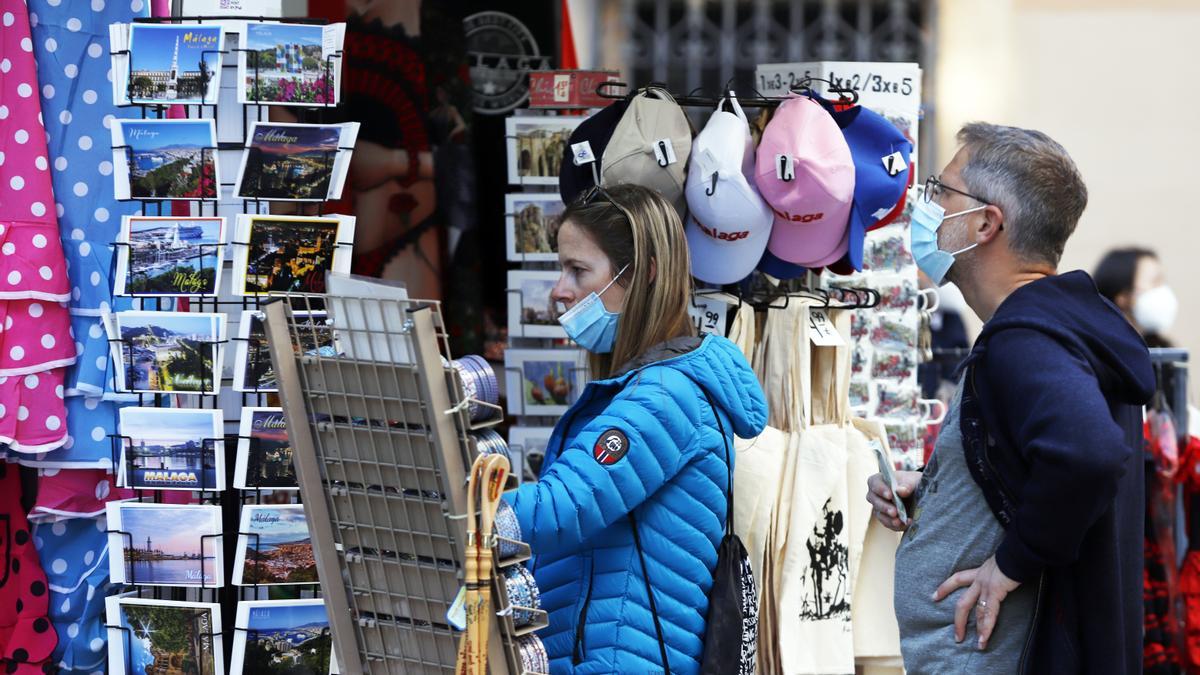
(952, 529)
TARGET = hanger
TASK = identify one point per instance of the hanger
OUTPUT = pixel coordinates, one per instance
(846, 95)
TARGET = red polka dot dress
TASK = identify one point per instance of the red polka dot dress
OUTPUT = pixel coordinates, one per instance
(27, 639)
(36, 343)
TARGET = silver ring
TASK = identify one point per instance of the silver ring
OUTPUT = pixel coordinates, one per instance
(983, 604)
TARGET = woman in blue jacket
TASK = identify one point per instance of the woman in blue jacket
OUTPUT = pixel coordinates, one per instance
(640, 457)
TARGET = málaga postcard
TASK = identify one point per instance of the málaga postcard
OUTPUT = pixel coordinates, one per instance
(165, 544)
(165, 159)
(166, 64)
(158, 352)
(171, 449)
(295, 162)
(274, 547)
(169, 256)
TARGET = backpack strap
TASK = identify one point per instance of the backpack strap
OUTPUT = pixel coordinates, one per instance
(637, 540)
(662, 645)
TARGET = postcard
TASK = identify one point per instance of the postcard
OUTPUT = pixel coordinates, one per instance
(282, 637)
(172, 449)
(158, 352)
(291, 64)
(274, 547)
(531, 312)
(252, 369)
(543, 381)
(165, 159)
(264, 458)
(166, 63)
(530, 443)
(531, 222)
(289, 254)
(295, 162)
(165, 256)
(536, 146)
(165, 544)
(163, 636)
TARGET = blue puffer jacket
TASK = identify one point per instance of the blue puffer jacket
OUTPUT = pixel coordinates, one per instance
(645, 441)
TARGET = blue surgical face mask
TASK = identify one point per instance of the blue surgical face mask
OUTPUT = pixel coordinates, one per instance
(589, 324)
(927, 217)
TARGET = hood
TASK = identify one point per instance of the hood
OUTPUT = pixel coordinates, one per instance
(1070, 309)
(718, 366)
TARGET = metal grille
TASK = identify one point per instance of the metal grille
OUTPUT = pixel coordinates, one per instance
(702, 44)
(381, 442)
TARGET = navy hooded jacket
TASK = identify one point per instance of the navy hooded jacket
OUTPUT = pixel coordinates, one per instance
(647, 442)
(1052, 431)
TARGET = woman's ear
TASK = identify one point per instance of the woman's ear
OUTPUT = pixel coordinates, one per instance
(653, 270)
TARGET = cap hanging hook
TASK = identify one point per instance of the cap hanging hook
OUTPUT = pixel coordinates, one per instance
(662, 160)
(712, 187)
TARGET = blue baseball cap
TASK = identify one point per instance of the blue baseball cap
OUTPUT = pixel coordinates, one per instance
(881, 156)
(780, 269)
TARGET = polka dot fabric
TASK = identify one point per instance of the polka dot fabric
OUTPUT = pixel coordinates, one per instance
(75, 555)
(32, 337)
(87, 445)
(27, 636)
(31, 256)
(33, 415)
(92, 362)
(70, 40)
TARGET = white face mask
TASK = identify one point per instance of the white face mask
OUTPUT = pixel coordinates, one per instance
(1155, 310)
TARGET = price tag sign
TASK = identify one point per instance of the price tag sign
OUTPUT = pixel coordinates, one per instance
(890, 89)
(822, 331)
(708, 315)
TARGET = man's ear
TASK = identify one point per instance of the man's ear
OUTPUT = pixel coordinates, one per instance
(990, 225)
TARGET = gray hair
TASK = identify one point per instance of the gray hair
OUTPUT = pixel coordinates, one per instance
(1034, 182)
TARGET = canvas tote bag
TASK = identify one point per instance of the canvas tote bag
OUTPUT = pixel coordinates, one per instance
(814, 590)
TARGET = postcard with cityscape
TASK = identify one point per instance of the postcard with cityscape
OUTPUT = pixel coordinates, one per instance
(295, 162)
(177, 352)
(264, 458)
(282, 637)
(165, 159)
(165, 544)
(291, 64)
(252, 369)
(289, 254)
(156, 637)
(169, 256)
(274, 547)
(172, 449)
(167, 63)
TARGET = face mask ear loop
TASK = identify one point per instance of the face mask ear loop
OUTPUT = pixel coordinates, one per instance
(614, 279)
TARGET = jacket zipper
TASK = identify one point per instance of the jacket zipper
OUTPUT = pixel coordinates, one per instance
(1003, 487)
(578, 651)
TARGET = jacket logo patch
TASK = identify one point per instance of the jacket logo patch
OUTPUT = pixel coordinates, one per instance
(610, 447)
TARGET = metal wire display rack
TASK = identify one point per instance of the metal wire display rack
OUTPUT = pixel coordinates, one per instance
(380, 438)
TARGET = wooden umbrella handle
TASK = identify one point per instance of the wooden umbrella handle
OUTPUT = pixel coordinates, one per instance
(466, 644)
(491, 486)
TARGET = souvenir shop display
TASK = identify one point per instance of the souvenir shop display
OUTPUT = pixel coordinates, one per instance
(274, 547)
(289, 254)
(157, 159)
(171, 449)
(295, 162)
(290, 64)
(143, 632)
(167, 256)
(271, 631)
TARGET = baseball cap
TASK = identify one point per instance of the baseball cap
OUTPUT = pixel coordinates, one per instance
(780, 269)
(881, 156)
(728, 222)
(597, 130)
(898, 210)
(650, 146)
(806, 173)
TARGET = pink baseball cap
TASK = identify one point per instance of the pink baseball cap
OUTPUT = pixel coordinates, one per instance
(806, 173)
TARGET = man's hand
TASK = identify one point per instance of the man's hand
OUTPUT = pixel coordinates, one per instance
(988, 588)
(879, 495)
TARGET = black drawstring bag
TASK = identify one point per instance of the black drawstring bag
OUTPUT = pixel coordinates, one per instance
(731, 634)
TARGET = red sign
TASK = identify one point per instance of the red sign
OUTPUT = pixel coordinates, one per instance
(568, 88)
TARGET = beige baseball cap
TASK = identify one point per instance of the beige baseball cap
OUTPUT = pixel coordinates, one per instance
(650, 146)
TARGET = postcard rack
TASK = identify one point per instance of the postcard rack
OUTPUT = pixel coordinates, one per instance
(381, 445)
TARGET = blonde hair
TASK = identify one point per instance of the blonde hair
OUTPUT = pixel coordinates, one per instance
(638, 227)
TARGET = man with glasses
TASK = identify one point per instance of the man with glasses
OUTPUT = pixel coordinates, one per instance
(1023, 552)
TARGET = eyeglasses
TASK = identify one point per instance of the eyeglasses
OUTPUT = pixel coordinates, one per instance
(598, 193)
(933, 186)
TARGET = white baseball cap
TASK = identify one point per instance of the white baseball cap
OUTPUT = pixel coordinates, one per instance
(728, 222)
